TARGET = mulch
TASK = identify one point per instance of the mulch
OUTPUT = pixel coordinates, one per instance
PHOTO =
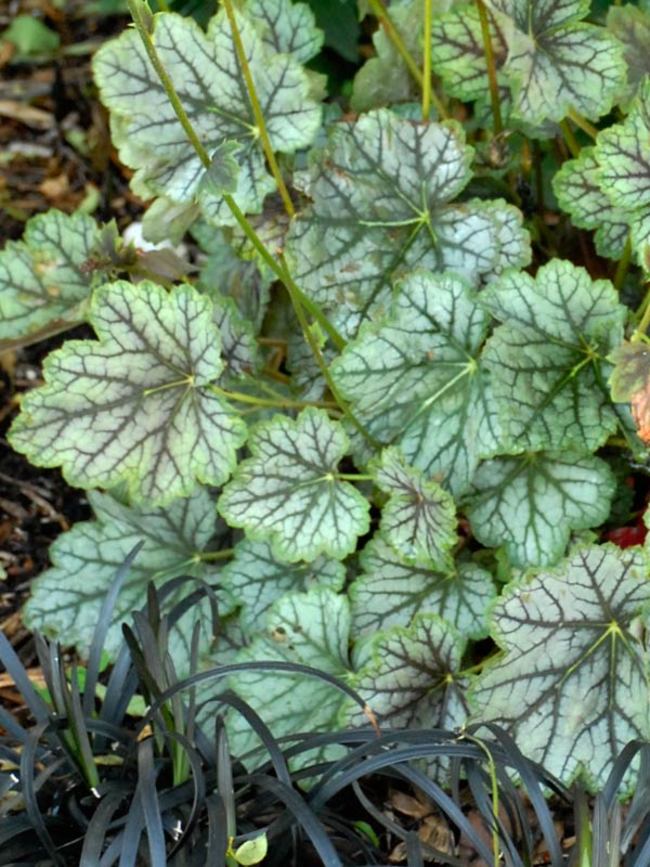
(55, 153)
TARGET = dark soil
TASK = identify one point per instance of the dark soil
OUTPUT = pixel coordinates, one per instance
(57, 153)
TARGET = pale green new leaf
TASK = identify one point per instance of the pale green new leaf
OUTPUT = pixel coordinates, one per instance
(572, 682)
(286, 27)
(49, 274)
(419, 518)
(411, 680)
(532, 502)
(547, 361)
(384, 80)
(209, 83)
(256, 579)
(631, 26)
(66, 599)
(416, 380)
(308, 628)
(579, 193)
(289, 492)
(390, 593)
(382, 203)
(135, 405)
(557, 62)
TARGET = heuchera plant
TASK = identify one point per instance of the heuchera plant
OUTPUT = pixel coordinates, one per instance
(389, 408)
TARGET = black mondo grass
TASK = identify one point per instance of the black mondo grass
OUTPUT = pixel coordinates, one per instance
(89, 781)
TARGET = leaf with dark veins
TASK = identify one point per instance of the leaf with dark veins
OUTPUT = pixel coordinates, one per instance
(66, 598)
(390, 593)
(135, 405)
(532, 502)
(209, 83)
(579, 192)
(416, 379)
(571, 683)
(548, 360)
(410, 681)
(419, 518)
(556, 61)
(382, 196)
(257, 579)
(49, 274)
(289, 492)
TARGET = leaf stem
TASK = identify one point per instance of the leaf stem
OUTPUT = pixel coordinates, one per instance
(623, 265)
(166, 82)
(495, 99)
(257, 109)
(570, 139)
(281, 272)
(210, 556)
(583, 124)
(426, 65)
(640, 331)
(298, 299)
(242, 397)
(354, 477)
(381, 14)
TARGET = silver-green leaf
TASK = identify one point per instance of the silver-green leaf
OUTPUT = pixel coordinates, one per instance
(416, 379)
(556, 61)
(571, 683)
(49, 274)
(256, 579)
(289, 492)
(309, 629)
(580, 193)
(532, 502)
(135, 405)
(382, 193)
(419, 518)
(390, 593)
(210, 85)
(67, 597)
(547, 361)
(410, 681)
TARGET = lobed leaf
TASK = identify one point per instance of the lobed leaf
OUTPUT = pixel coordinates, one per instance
(289, 492)
(623, 157)
(411, 680)
(310, 629)
(532, 502)
(210, 86)
(580, 193)
(390, 593)
(416, 380)
(571, 683)
(547, 360)
(556, 62)
(458, 53)
(256, 579)
(419, 518)
(50, 273)
(66, 598)
(382, 194)
(286, 27)
(135, 405)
